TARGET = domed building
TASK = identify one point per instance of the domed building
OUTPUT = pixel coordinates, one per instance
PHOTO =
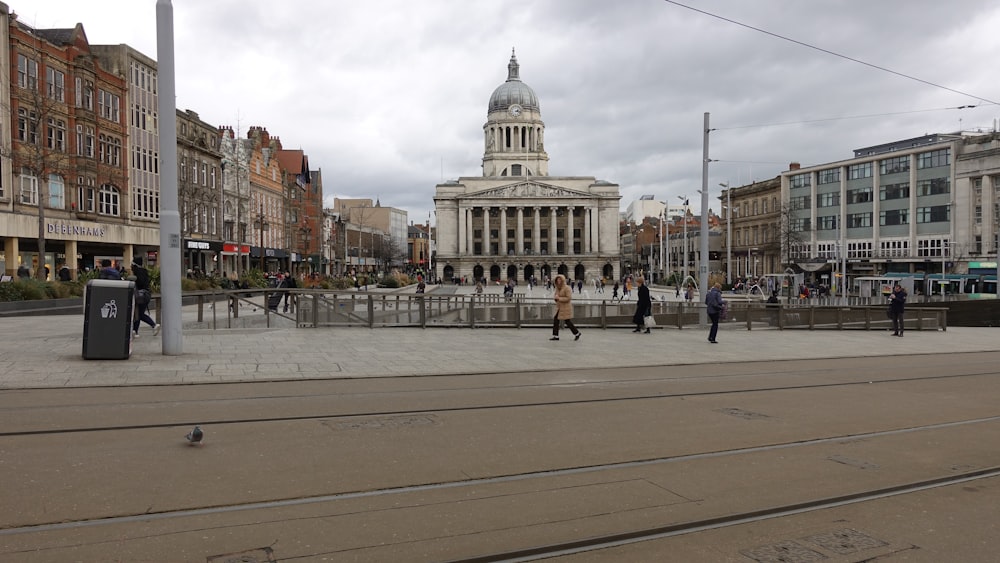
(516, 221)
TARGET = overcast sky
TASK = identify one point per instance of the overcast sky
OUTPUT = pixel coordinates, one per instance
(388, 97)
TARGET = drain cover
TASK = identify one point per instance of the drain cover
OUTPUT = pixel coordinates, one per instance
(259, 555)
(783, 552)
(745, 414)
(845, 541)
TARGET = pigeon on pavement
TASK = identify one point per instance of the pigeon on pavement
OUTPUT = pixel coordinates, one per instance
(195, 436)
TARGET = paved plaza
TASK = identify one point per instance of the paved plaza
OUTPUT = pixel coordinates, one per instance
(46, 351)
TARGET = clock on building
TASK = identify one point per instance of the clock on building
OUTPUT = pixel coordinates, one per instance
(514, 110)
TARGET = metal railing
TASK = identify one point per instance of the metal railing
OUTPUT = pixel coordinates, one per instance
(314, 308)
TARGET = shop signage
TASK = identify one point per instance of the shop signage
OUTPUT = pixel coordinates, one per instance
(75, 230)
(198, 245)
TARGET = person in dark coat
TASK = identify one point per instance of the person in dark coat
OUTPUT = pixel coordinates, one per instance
(897, 302)
(715, 303)
(643, 307)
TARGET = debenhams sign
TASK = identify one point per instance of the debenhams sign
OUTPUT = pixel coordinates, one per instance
(75, 230)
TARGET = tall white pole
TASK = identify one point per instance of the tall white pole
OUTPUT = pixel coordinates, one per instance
(703, 263)
(729, 234)
(170, 219)
(660, 268)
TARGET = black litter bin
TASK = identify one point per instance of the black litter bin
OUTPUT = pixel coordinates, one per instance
(107, 320)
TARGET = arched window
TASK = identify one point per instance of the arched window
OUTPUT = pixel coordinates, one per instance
(109, 198)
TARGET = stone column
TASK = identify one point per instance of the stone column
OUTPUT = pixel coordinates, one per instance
(486, 231)
(463, 242)
(553, 240)
(586, 231)
(536, 232)
(503, 231)
(71, 259)
(519, 235)
(569, 230)
(10, 253)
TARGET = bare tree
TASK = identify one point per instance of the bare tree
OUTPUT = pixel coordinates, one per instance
(791, 234)
(40, 150)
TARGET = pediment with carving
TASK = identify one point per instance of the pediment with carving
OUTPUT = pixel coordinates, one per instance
(527, 190)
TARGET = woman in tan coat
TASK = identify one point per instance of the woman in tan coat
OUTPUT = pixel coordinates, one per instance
(563, 297)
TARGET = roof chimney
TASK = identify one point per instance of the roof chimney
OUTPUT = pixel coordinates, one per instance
(794, 166)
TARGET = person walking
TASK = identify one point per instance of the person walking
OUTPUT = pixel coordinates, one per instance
(143, 295)
(715, 303)
(643, 305)
(563, 296)
(897, 302)
(614, 292)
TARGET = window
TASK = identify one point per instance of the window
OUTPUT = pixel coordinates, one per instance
(204, 174)
(932, 247)
(108, 200)
(800, 180)
(55, 83)
(934, 214)
(934, 186)
(108, 105)
(27, 72)
(859, 220)
(826, 223)
(894, 191)
(29, 187)
(894, 165)
(85, 194)
(860, 195)
(27, 126)
(56, 134)
(212, 182)
(894, 217)
(858, 171)
(88, 95)
(763, 206)
(831, 199)
(57, 192)
(830, 176)
(88, 142)
(801, 202)
(934, 159)
(799, 225)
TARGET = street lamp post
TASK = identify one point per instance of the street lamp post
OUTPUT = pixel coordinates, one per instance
(729, 235)
(684, 247)
(262, 226)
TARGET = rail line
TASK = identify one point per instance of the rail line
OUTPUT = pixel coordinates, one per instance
(461, 408)
(647, 534)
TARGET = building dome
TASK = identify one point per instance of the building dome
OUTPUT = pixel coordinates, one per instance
(513, 91)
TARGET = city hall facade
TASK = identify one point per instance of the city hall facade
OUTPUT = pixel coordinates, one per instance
(516, 221)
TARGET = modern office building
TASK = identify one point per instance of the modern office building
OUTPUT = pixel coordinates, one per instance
(516, 221)
(921, 205)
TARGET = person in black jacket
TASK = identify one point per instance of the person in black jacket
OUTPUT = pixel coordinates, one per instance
(897, 302)
(143, 295)
(643, 307)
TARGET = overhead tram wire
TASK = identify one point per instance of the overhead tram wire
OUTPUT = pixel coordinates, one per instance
(829, 52)
(845, 117)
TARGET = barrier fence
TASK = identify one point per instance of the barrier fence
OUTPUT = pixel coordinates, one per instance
(312, 308)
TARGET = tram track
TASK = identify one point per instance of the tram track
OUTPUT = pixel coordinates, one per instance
(346, 413)
(561, 472)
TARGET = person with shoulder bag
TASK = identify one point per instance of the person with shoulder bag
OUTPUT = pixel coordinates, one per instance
(897, 303)
(715, 304)
(143, 297)
(643, 306)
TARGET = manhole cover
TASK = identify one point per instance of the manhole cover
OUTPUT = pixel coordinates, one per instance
(745, 414)
(845, 541)
(783, 552)
(259, 555)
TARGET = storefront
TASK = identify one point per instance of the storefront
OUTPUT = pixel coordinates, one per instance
(201, 257)
(80, 245)
(275, 259)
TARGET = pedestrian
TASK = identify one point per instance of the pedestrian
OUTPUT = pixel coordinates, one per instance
(563, 296)
(715, 303)
(643, 305)
(108, 272)
(290, 284)
(143, 296)
(614, 292)
(23, 272)
(897, 302)
(689, 293)
(64, 274)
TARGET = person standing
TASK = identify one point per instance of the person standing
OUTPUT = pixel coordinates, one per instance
(143, 295)
(897, 302)
(108, 272)
(715, 303)
(643, 306)
(563, 296)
